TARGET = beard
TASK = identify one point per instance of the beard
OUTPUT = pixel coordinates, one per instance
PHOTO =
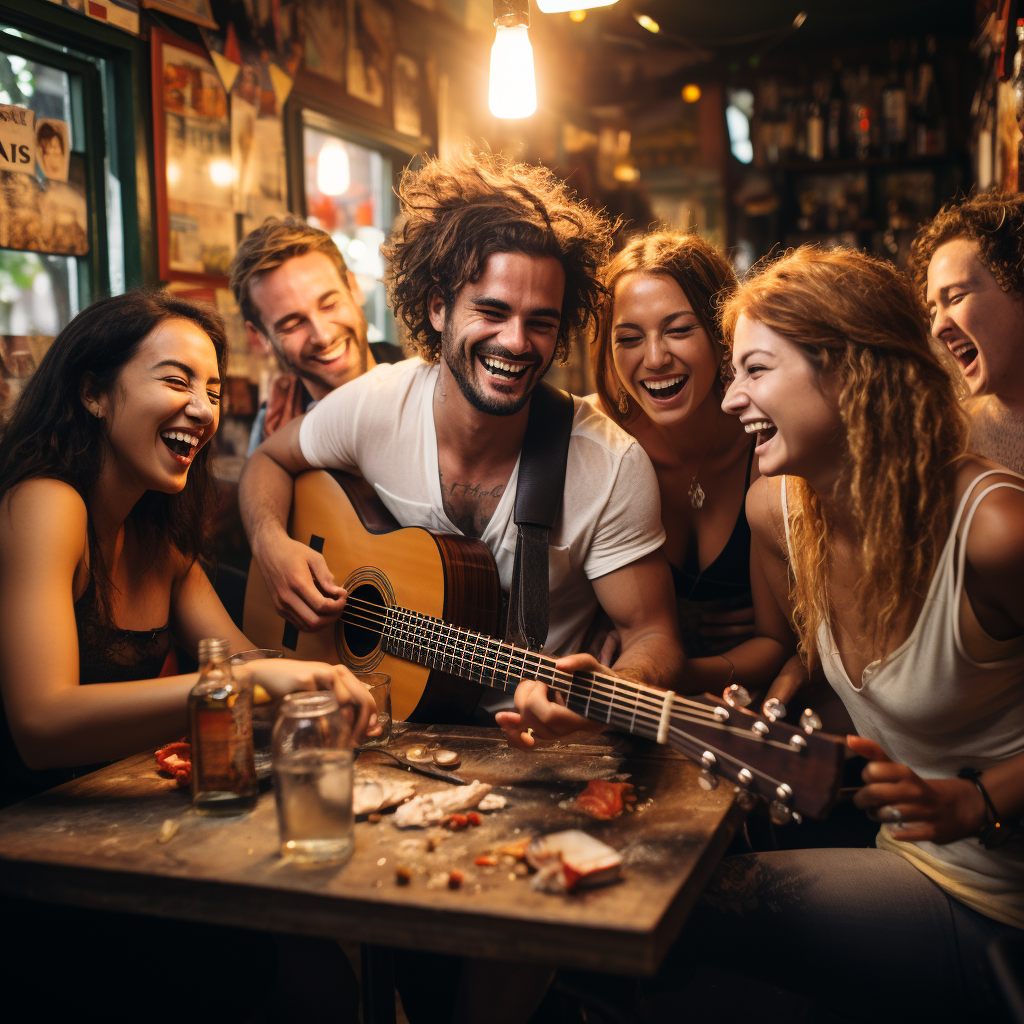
(460, 364)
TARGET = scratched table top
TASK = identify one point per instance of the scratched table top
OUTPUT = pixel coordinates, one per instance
(95, 842)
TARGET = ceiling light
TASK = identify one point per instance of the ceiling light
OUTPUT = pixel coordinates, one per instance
(561, 6)
(512, 91)
(333, 175)
(577, 16)
(647, 22)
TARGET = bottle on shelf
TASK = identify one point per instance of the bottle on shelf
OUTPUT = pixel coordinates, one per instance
(862, 115)
(835, 115)
(770, 120)
(220, 726)
(894, 106)
(929, 116)
(1018, 97)
(814, 126)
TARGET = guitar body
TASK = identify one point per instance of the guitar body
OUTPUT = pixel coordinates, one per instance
(442, 575)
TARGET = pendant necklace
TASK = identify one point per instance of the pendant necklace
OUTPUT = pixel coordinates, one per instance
(696, 492)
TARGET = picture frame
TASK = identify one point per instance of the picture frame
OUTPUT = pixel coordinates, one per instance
(196, 11)
(192, 150)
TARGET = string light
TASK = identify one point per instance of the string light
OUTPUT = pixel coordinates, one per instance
(561, 6)
(691, 92)
(577, 16)
(647, 22)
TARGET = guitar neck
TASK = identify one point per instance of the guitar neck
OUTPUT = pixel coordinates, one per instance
(488, 661)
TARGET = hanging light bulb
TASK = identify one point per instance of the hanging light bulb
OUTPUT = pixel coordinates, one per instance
(561, 6)
(333, 175)
(513, 90)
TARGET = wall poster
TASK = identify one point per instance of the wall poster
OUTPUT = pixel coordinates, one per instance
(195, 172)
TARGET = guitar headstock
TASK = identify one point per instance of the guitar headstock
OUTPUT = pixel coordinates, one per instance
(796, 769)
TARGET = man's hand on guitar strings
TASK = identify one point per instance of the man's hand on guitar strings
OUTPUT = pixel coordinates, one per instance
(541, 713)
(301, 586)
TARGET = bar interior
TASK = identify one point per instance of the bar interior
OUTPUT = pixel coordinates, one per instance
(511, 511)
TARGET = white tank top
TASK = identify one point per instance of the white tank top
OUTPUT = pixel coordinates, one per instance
(934, 708)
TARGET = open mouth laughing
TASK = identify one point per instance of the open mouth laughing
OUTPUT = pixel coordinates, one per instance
(664, 388)
(764, 429)
(502, 370)
(965, 353)
(183, 444)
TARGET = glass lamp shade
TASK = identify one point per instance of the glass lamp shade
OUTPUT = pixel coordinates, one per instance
(513, 90)
(561, 6)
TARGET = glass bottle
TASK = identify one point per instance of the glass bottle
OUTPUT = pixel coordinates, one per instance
(894, 107)
(220, 726)
(312, 746)
(815, 127)
(1018, 98)
(835, 115)
(930, 118)
(862, 115)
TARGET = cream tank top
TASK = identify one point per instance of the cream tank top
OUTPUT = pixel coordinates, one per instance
(933, 707)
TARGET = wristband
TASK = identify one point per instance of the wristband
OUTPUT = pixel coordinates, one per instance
(995, 831)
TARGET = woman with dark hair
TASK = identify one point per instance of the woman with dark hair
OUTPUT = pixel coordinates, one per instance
(105, 491)
(657, 360)
(899, 558)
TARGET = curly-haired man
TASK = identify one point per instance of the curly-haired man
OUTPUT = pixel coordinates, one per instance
(492, 264)
(969, 263)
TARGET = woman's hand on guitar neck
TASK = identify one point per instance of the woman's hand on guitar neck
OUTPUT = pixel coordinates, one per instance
(300, 584)
(541, 713)
(281, 676)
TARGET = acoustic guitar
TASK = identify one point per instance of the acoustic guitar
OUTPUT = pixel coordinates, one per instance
(423, 606)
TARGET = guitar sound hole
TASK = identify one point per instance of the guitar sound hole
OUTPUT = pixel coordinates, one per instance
(360, 636)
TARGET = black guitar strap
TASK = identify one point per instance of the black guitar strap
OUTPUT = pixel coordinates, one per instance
(538, 498)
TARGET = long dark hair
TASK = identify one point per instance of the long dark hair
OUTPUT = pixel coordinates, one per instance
(52, 434)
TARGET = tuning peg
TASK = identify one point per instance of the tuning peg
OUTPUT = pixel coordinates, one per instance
(783, 792)
(744, 777)
(759, 729)
(809, 721)
(721, 714)
(797, 742)
(745, 799)
(736, 696)
(780, 813)
(773, 709)
(707, 780)
(708, 760)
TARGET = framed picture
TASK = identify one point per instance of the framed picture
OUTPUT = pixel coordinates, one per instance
(197, 11)
(195, 176)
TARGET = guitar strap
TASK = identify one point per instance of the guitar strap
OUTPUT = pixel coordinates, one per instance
(538, 497)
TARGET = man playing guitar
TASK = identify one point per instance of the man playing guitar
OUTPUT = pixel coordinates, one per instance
(492, 264)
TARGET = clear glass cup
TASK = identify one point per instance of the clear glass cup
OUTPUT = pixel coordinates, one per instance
(313, 778)
(262, 714)
(379, 685)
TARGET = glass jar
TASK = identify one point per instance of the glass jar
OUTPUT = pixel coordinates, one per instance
(312, 754)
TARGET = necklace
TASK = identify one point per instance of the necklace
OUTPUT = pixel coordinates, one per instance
(696, 492)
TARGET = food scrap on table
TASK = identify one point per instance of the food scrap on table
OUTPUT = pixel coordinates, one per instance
(176, 760)
(568, 860)
(492, 802)
(168, 830)
(432, 808)
(605, 800)
(371, 795)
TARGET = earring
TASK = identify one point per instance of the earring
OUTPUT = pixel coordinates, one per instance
(623, 400)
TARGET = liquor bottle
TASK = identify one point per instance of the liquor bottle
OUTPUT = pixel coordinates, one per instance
(930, 122)
(814, 147)
(862, 116)
(1018, 98)
(894, 107)
(835, 115)
(770, 120)
(220, 725)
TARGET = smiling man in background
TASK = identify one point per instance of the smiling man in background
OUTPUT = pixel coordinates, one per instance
(300, 300)
(969, 264)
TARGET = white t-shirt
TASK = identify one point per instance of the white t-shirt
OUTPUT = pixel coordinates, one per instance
(381, 425)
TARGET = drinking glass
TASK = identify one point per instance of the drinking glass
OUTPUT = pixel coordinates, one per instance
(313, 778)
(379, 685)
(262, 715)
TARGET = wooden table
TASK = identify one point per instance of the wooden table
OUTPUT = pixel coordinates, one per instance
(95, 842)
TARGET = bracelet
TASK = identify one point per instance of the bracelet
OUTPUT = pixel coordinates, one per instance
(995, 831)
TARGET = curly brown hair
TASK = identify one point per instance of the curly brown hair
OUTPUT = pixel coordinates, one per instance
(702, 272)
(859, 318)
(275, 241)
(458, 212)
(994, 220)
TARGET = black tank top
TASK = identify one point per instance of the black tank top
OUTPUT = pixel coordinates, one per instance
(106, 654)
(723, 586)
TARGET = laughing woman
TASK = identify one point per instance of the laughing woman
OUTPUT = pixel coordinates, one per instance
(657, 362)
(105, 490)
(900, 560)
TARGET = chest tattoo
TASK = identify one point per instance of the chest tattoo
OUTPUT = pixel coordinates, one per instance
(470, 506)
